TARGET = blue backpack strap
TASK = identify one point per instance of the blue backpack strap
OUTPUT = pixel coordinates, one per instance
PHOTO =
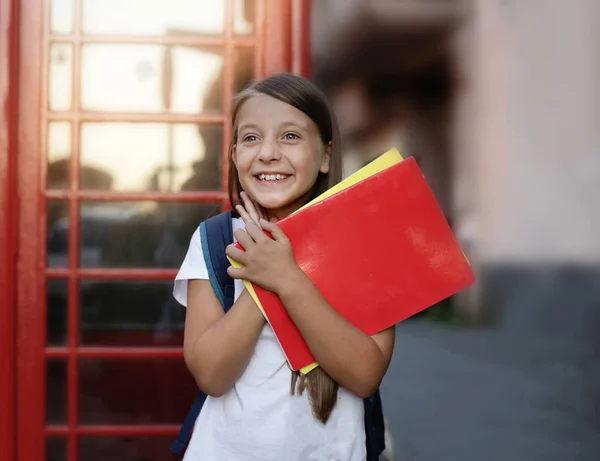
(216, 234)
(374, 426)
(187, 427)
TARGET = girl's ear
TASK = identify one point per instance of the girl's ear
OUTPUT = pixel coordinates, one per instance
(326, 160)
(234, 154)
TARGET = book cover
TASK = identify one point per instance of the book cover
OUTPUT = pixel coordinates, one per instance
(379, 249)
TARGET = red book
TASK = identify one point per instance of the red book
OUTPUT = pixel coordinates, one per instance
(379, 251)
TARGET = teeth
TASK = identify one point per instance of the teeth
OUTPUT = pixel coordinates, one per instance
(271, 177)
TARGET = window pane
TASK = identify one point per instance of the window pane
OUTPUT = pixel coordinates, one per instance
(125, 449)
(244, 68)
(56, 449)
(61, 16)
(57, 290)
(134, 391)
(139, 234)
(151, 78)
(130, 313)
(153, 17)
(151, 156)
(59, 153)
(58, 233)
(60, 90)
(56, 397)
(243, 20)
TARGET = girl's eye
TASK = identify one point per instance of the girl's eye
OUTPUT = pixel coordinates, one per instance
(250, 138)
(291, 136)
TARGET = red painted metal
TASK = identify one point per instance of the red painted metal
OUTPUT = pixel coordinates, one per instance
(9, 42)
(259, 31)
(114, 352)
(115, 431)
(228, 84)
(30, 268)
(172, 39)
(301, 56)
(113, 273)
(105, 196)
(138, 117)
(277, 38)
(30, 39)
(74, 244)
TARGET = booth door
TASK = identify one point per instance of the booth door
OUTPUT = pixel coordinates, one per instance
(124, 124)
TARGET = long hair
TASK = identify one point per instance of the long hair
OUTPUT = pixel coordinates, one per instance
(308, 98)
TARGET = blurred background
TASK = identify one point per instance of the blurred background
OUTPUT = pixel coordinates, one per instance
(114, 127)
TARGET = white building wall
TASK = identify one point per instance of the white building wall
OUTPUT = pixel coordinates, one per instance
(527, 144)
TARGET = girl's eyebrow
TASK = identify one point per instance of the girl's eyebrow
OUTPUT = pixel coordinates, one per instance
(296, 124)
(248, 126)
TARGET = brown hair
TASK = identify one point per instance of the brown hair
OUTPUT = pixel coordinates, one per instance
(308, 98)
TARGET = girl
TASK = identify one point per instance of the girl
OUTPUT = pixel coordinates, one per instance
(285, 150)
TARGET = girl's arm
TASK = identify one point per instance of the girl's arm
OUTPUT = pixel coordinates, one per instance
(218, 347)
(355, 360)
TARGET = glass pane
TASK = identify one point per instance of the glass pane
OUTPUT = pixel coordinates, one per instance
(151, 78)
(153, 17)
(60, 91)
(139, 234)
(57, 290)
(243, 20)
(61, 16)
(58, 233)
(59, 152)
(244, 68)
(56, 398)
(134, 391)
(56, 449)
(125, 449)
(130, 314)
(151, 156)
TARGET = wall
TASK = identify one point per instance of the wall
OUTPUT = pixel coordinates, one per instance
(539, 204)
(526, 128)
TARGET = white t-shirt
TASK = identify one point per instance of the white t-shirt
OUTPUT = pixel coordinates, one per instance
(258, 419)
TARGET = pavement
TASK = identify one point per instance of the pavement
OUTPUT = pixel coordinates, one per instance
(492, 394)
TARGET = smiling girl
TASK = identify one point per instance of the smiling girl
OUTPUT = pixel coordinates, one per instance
(285, 150)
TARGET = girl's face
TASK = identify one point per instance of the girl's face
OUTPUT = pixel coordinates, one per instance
(278, 155)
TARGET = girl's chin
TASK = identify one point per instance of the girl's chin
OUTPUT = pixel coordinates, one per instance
(273, 204)
(277, 205)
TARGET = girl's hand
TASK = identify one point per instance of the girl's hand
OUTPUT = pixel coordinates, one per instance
(266, 262)
(252, 209)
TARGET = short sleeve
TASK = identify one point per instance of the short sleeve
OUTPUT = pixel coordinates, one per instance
(193, 268)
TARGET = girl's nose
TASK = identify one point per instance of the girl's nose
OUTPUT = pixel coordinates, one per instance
(269, 151)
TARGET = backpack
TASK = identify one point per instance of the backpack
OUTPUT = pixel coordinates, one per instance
(216, 234)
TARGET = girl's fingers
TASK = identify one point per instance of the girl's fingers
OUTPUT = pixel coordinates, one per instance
(253, 228)
(255, 231)
(236, 273)
(243, 238)
(244, 214)
(275, 230)
(251, 208)
(236, 254)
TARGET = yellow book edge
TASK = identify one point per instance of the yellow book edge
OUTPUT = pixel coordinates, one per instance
(384, 161)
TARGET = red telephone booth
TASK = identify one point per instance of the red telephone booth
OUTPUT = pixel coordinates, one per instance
(114, 132)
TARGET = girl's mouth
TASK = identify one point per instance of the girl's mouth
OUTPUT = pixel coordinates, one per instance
(271, 178)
